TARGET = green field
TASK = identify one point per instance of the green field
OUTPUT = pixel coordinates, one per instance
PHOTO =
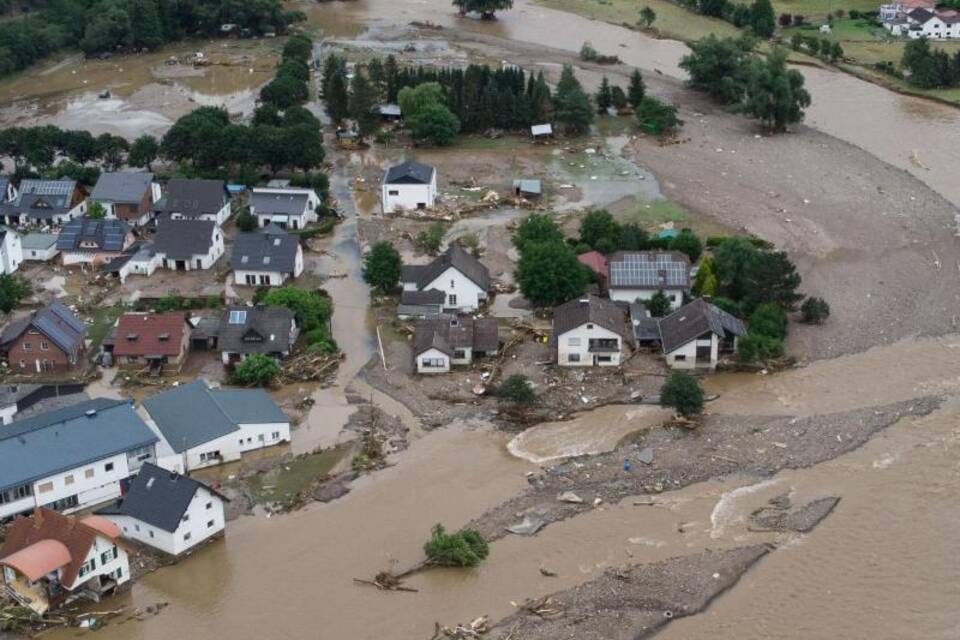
(286, 481)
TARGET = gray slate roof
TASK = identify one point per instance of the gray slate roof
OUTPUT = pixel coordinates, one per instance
(4, 183)
(68, 438)
(54, 321)
(430, 296)
(645, 327)
(191, 414)
(592, 309)
(695, 319)
(38, 241)
(109, 235)
(273, 204)
(193, 198)
(41, 198)
(456, 257)
(265, 251)
(125, 187)
(158, 497)
(183, 239)
(447, 334)
(409, 172)
(649, 270)
(254, 334)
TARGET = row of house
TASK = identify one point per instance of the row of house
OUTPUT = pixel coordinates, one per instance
(920, 19)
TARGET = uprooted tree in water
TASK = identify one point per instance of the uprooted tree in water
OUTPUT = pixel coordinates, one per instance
(486, 8)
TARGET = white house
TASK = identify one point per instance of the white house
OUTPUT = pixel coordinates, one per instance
(638, 275)
(71, 458)
(11, 250)
(286, 207)
(202, 427)
(443, 342)
(266, 257)
(409, 185)
(168, 511)
(39, 247)
(697, 334)
(50, 560)
(45, 202)
(464, 280)
(94, 242)
(188, 245)
(142, 261)
(589, 331)
(922, 22)
(195, 200)
(8, 191)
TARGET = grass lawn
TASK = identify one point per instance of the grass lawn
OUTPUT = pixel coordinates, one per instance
(288, 480)
(103, 319)
(651, 214)
(819, 9)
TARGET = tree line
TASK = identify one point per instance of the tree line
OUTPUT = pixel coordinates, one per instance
(758, 16)
(105, 25)
(930, 68)
(51, 152)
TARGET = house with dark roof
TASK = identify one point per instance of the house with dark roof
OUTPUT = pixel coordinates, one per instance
(127, 195)
(638, 275)
(71, 458)
(286, 207)
(266, 257)
(440, 343)
(51, 340)
(168, 511)
(11, 250)
(39, 247)
(203, 427)
(94, 242)
(589, 331)
(408, 185)
(244, 331)
(424, 305)
(697, 334)
(188, 245)
(464, 280)
(45, 202)
(153, 342)
(50, 560)
(195, 200)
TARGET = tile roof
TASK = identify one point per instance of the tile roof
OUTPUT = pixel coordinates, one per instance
(150, 334)
(592, 309)
(693, 320)
(126, 187)
(38, 241)
(409, 172)
(649, 270)
(455, 256)
(257, 329)
(68, 438)
(430, 296)
(273, 202)
(596, 261)
(265, 251)
(184, 239)
(158, 497)
(448, 334)
(193, 198)
(101, 235)
(56, 322)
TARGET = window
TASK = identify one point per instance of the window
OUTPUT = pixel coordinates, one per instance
(241, 442)
(16, 493)
(679, 358)
(453, 283)
(117, 574)
(261, 437)
(250, 278)
(573, 342)
(275, 435)
(452, 299)
(432, 363)
(44, 345)
(589, 326)
(108, 555)
(23, 365)
(459, 354)
(27, 346)
(393, 192)
(209, 506)
(64, 503)
(185, 518)
(573, 357)
(210, 455)
(209, 524)
(604, 358)
(46, 487)
(238, 317)
(150, 532)
(186, 536)
(88, 566)
(108, 467)
(68, 479)
(136, 527)
(264, 279)
(88, 473)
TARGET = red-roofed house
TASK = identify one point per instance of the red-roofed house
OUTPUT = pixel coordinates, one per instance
(50, 559)
(597, 262)
(158, 341)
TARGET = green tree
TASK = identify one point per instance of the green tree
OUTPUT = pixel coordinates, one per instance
(414, 100)
(687, 242)
(619, 98)
(705, 284)
(637, 89)
(647, 17)
(303, 146)
(657, 117)
(145, 28)
(284, 91)
(337, 98)
(598, 225)
(382, 266)
(110, 149)
(604, 96)
(718, 66)
(429, 241)
(486, 8)
(257, 369)
(658, 305)
(769, 320)
(588, 53)
(682, 393)
(436, 123)
(575, 111)
(143, 152)
(298, 47)
(311, 309)
(773, 278)
(363, 100)
(13, 289)
(836, 52)
(549, 273)
(763, 19)
(633, 237)
(465, 548)
(754, 346)
(516, 388)
(246, 221)
(536, 228)
(775, 94)
(96, 211)
(919, 61)
(815, 310)
(735, 260)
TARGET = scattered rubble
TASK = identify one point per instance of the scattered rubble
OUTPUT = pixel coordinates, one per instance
(780, 517)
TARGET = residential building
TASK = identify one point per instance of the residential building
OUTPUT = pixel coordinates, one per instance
(50, 560)
(646, 328)
(22, 399)
(266, 257)
(638, 275)
(409, 185)
(39, 247)
(140, 259)
(894, 9)
(154, 342)
(94, 242)
(288, 208)
(50, 340)
(127, 195)
(11, 250)
(168, 511)
(390, 112)
(188, 245)
(697, 334)
(195, 200)
(464, 280)
(441, 343)
(45, 202)
(244, 331)
(597, 263)
(202, 427)
(71, 458)
(421, 304)
(589, 331)
(8, 191)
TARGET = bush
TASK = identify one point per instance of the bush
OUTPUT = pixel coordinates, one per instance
(13, 289)
(258, 369)
(429, 241)
(312, 310)
(466, 548)
(588, 53)
(815, 310)
(769, 320)
(754, 346)
(658, 305)
(246, 221)
(682, 392)
(657, 117)
(516, 388)
(854, 14)
(687, 242)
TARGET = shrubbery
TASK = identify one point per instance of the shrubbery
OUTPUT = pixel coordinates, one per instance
(465, 548)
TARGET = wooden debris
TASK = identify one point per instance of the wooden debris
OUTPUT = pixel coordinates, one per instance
(310, 366)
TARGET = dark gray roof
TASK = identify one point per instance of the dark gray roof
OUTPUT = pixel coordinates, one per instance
(41, 198)
(38, 241)
(649, 270)
(255, 329)
(4, 183)
(430, 296)
(592, 309)
(68, 438)
(274, 203)
(14, 393)
(269, 251)
(455, 256)
(695, 319)
(183, 239)
(409, 172)
(123, 186)
(54, 321)
(389, 110)
(158, 497)
(107, 235)
(921, 15)
(645, 327)
(447, 334)
(193, 198)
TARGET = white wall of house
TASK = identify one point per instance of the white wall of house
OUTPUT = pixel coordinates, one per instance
(462, 293)
(219, 217)
(105, 558)
(433, 361)
(11, 253)
(685, 356)
(61, 218)
(257, 436)
(41, 255)
(408, 196)
(632, 295)
(7, 413)
(936, 29)
(573, 347)
(202, 520)
(259, 278)
(138, 267)
(200, 261)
